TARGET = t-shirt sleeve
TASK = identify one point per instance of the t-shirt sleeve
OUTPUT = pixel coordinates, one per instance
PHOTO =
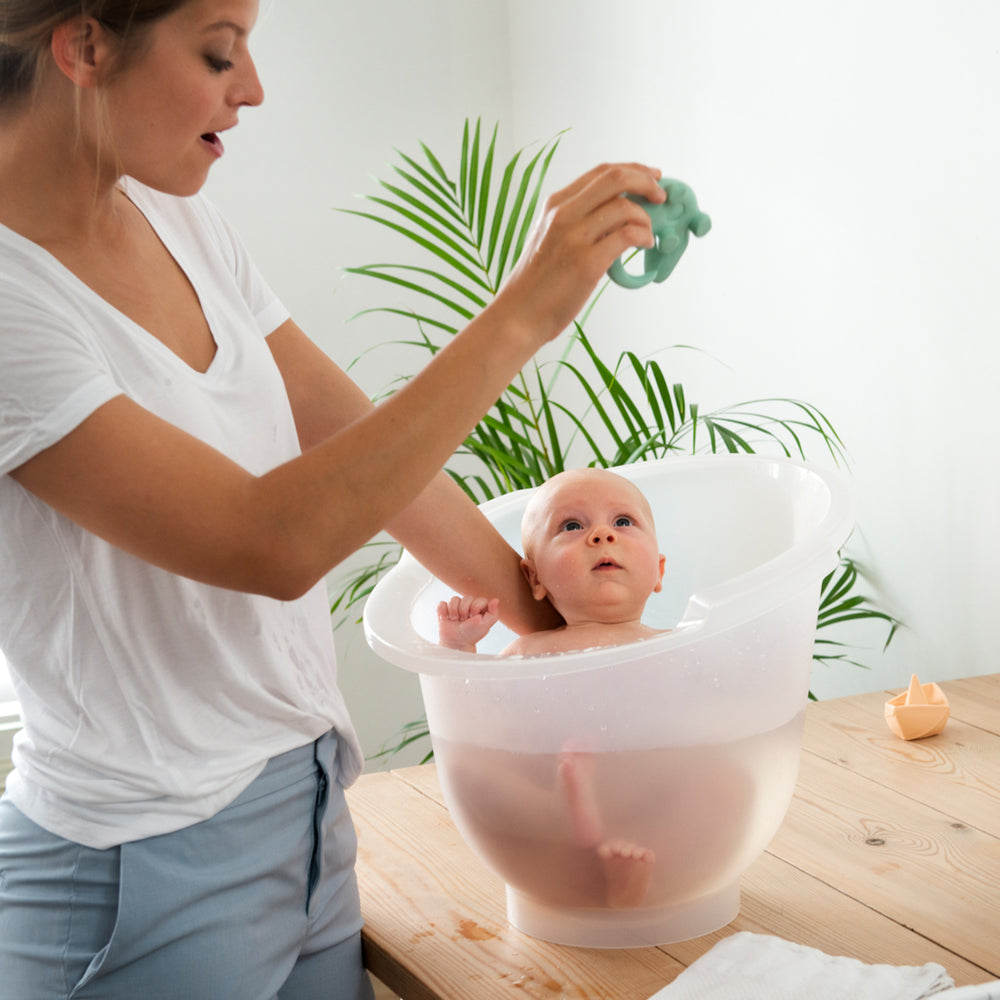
(51, 379)
(268, 310)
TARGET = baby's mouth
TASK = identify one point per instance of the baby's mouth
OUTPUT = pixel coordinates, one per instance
(606, 564)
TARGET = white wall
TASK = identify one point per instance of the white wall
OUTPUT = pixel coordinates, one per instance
(847, 154)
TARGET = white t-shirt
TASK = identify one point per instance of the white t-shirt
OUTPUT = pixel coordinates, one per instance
(150, 701)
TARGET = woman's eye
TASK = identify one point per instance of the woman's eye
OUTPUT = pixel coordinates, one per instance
(219, 65)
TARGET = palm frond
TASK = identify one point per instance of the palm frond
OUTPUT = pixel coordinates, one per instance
(407, 735)
(841, 603)
(357, 584)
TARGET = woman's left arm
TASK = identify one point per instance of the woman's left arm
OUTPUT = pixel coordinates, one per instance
(442, 527)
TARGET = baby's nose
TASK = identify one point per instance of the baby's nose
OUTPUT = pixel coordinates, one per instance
(599, 535)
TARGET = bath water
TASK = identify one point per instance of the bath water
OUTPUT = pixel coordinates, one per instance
(705, 812)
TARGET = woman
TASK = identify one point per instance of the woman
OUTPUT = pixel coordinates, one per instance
(179, 469)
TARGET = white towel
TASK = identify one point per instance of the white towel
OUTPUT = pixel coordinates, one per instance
(981, 991)
(749, 966)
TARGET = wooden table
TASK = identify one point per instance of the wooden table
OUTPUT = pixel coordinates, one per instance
(890, 853)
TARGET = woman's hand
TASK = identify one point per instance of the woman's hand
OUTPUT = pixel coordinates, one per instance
(582, 230)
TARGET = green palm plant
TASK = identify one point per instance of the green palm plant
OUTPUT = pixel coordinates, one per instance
(576, 409)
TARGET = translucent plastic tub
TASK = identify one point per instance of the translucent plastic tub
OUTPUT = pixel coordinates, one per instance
(685, 745)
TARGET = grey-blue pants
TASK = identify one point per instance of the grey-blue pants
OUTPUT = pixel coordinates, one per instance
(260, 902)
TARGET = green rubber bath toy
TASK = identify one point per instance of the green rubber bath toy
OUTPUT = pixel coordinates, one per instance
(673, 222)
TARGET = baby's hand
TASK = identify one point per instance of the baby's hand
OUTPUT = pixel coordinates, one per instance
(463, 621)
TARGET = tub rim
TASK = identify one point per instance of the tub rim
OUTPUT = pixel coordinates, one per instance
(713, 610)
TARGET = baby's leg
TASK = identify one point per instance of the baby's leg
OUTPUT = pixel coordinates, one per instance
(627, 867)
(576, 775)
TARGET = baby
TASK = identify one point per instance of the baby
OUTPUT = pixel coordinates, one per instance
(589, 547)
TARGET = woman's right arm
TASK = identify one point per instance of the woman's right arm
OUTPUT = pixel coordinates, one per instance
(154, 491)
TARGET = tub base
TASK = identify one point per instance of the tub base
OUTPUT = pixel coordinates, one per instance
(640, 928)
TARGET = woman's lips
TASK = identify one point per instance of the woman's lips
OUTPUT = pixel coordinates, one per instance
(214, 143)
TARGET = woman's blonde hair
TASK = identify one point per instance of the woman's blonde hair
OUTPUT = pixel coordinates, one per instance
(26, 28)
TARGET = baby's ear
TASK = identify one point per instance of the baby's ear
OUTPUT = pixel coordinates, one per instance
(537, 590)
(659, 576)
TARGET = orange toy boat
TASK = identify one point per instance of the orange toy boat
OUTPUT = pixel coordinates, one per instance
(921, 711)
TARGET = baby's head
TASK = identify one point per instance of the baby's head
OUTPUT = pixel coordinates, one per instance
(590, 546)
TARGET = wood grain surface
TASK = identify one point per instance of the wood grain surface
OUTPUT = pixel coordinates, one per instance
(890, 852)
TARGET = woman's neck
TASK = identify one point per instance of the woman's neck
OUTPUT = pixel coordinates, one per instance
(52, 187)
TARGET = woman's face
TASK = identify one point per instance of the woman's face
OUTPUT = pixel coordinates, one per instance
(187, 85)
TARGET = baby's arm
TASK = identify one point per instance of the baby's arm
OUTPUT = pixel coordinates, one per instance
(463, 621)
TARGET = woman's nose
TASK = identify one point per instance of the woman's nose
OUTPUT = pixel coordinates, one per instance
(250, 91)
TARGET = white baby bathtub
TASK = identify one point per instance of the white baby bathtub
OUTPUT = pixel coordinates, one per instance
(685, 745)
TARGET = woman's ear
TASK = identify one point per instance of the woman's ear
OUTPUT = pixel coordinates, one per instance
(82, 49)
(537, 590)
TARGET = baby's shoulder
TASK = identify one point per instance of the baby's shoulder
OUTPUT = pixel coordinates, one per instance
(534, 644)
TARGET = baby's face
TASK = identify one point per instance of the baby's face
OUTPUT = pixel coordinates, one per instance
(590, 546)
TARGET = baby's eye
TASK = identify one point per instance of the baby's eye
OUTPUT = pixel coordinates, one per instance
(623, 521)
(572, 526)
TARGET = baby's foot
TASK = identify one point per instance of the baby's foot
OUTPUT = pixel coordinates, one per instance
(576, 775)
(628, 869)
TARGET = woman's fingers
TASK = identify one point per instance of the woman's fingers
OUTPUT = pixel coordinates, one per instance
(599, 207)
(583, 229)
(620, 218)
(609, 180)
